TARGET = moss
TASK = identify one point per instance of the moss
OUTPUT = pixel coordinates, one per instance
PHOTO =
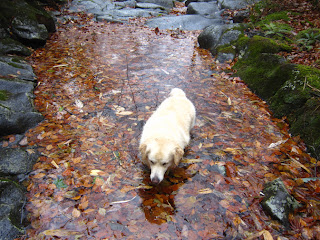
(4, 95)
(309, 75)
(259, 67)
(294, 93)
(306, 123)
(258, 44)
(226, 49)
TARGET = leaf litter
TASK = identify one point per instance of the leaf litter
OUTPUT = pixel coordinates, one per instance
(97, 88)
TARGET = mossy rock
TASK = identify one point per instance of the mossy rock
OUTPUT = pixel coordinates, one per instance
(258, 44)
(309, 75)
(306, 123)
(288, 99)
(295, 92)
(259, 66)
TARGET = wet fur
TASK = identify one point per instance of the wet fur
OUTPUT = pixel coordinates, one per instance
(166, 134)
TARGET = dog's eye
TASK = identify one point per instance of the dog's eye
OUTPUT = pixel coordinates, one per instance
(164, 164)
(152, 162)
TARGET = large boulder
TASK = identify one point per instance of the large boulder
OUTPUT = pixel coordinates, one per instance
(25, 22)
(217, 38)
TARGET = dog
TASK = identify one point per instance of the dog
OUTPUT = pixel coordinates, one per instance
(166, 134)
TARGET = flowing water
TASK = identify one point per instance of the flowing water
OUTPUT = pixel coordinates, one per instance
(98, 83)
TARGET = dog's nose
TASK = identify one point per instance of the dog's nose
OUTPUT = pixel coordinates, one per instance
(155, 180)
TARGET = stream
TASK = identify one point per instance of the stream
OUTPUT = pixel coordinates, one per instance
(96, 89)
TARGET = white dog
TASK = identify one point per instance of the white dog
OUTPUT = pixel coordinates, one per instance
(167, 133)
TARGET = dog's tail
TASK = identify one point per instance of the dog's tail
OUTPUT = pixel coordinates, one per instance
(177, 92)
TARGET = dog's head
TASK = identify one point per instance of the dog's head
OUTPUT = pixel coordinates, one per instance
(160, 155)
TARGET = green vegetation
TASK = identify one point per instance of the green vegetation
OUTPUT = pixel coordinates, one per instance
(308, 38)
(4, 95)
(292, 90)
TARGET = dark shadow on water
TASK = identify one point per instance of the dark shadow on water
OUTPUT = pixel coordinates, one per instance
(158, 202)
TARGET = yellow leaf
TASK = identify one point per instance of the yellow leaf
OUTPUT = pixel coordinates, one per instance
(39, 175)
(124, 113)
(31, 151)
(49, 147)
(60, 232)
(229, 101)
(76, 213)
(193, 160)
(102, 211)
(54, 164)
(205, 191)
(76, 160)
(95, 172)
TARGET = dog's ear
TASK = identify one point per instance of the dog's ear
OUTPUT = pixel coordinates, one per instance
(178, 153)
(144, 153)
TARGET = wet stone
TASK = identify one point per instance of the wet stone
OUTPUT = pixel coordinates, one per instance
(14, 161)
(278, 202)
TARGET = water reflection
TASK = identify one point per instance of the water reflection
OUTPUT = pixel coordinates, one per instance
(158, 202)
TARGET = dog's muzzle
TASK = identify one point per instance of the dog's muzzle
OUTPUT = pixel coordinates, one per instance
(155, 180)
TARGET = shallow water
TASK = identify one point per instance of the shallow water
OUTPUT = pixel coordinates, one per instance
(95, 90)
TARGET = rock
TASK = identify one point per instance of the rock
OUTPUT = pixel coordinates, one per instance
(278, 202)
(150, 6)
(236, 4)
(190, 1)
(224, 57)
(205, 9)
(14, 161)
(241, 15)
(9, 86)
(11, 46)
(28, 24)
(96, 7)
(164, 3)
(17, 114)
(119, 12)
(29, 31)
(125, 14)
(183, 22)
(259, 65)
(16, 67)
(12, 213)
(216, 36)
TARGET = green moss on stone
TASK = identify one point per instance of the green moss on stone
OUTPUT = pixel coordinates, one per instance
(226, 49)
(306, 123)
(309, 75)
(259, 67)
(4, 95)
